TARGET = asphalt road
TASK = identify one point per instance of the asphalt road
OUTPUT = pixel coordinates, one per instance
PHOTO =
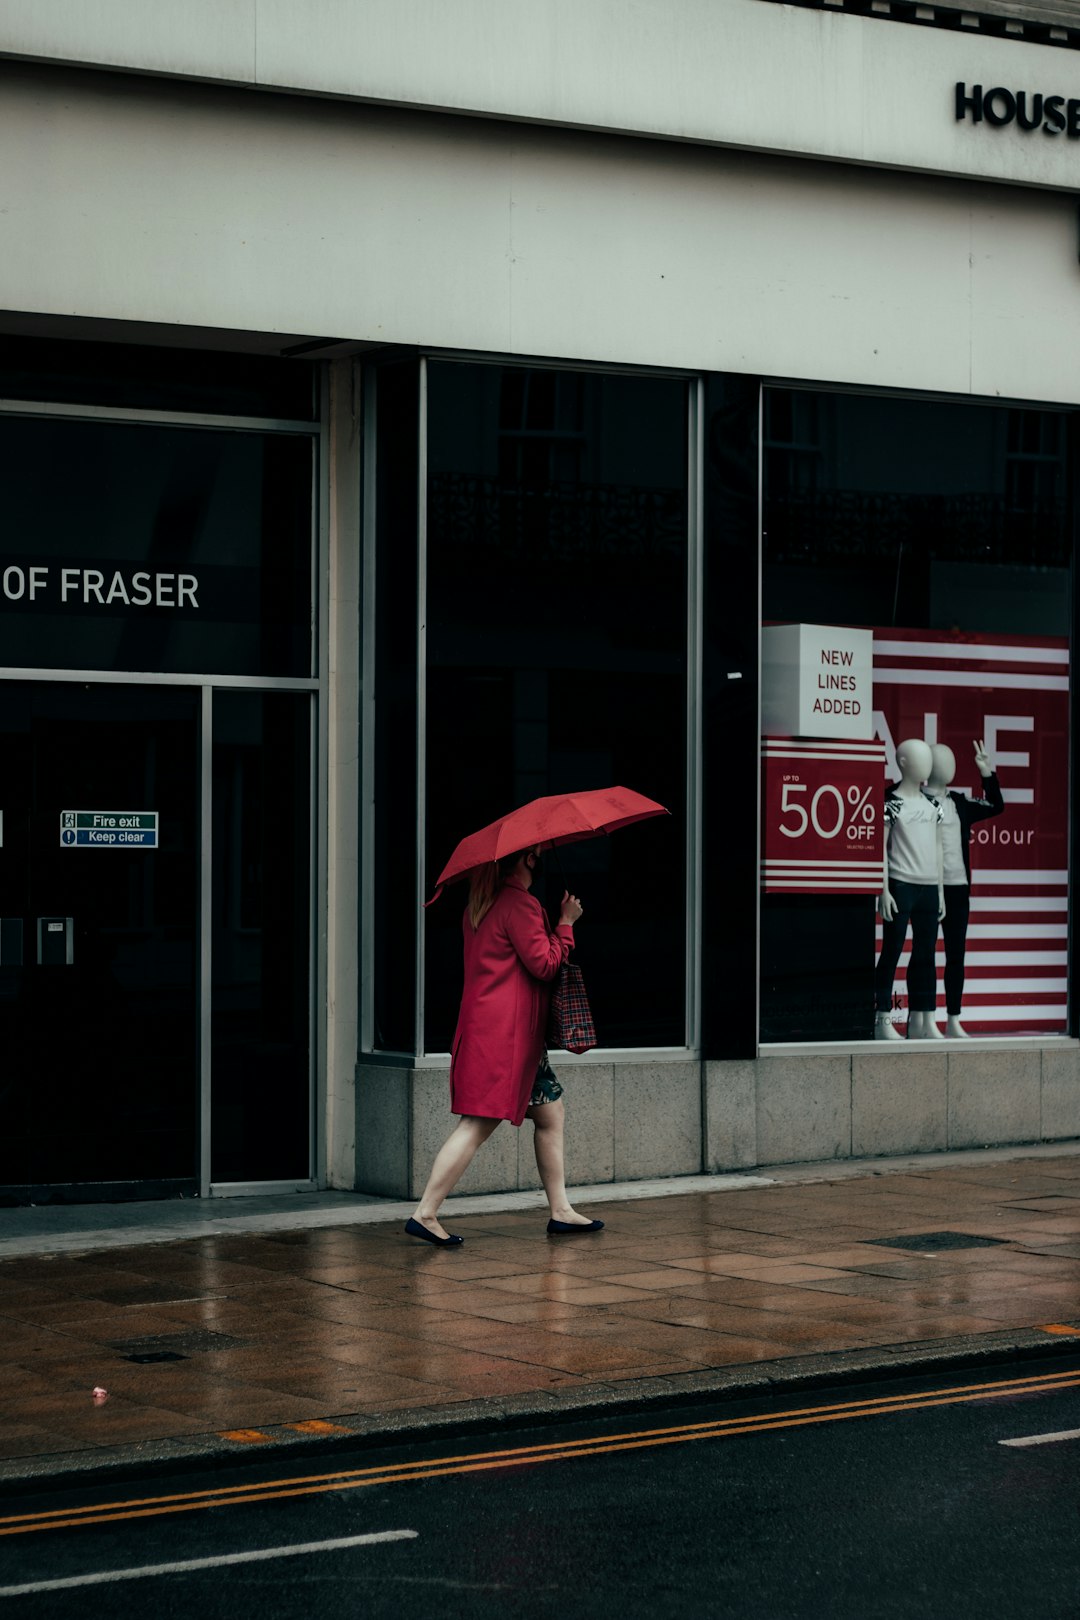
(896, 1499)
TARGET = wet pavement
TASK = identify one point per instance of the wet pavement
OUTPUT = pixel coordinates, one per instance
(238, 1339)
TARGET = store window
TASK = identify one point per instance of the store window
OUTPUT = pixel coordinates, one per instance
(180, 550)
(393, 391)
(917, 608)
(557, 518)
(261, 946)
(140, 377)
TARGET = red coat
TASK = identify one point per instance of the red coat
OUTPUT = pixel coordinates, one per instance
(510, 961)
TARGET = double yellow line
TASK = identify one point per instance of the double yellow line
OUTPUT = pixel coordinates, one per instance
(275, 1490)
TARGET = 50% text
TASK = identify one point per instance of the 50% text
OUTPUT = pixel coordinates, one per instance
(830, 811)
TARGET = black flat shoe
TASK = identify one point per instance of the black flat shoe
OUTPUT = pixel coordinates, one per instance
(564, 1228)
(415, 1229)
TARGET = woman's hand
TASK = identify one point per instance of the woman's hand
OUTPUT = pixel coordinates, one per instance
(571, 910)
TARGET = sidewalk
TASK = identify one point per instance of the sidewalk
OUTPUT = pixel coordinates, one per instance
(297, 1323)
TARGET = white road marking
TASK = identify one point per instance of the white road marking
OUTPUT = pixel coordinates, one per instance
(103, 1577)
(1042, 1439)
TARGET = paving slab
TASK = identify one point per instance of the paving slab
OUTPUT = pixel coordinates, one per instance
(301, 1327)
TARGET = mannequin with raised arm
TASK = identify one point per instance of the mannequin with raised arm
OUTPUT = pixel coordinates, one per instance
(913, 896)
(960, 813)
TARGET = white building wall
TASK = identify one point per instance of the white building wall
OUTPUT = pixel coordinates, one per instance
(144, 200)
(730, 72)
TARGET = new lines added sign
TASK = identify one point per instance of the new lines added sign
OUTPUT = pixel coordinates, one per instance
(108, 829)
(817, 681)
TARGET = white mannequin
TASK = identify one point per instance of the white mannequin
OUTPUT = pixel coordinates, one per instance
(943, 768)
(942, 774)
(914, 760)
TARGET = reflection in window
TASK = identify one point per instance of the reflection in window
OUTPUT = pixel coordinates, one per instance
(260, 1065)
(792, 441)
(1035, 462)
(557, 546)
(116, 515)
(394, 899)
(541, 426)
(913, 499)
(942, 528)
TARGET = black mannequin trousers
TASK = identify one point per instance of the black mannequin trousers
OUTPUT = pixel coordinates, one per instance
(917, 907)
(954, 933)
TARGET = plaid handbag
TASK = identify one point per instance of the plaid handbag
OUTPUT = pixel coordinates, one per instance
(570, 1022)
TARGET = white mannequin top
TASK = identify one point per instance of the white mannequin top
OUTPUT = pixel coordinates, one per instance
(913, 840)
(952, 843)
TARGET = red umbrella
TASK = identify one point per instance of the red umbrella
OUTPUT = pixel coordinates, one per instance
(560, 818)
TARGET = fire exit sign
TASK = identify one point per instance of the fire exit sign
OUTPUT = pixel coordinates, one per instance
(109, 829)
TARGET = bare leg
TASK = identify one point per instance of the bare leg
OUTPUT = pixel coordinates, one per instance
(549, 1121)
(451, 1163)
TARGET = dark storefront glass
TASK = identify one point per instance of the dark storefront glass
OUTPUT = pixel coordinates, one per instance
(731, 567)
(556, 633)
(98, 941)
(393, 968)
(261, 939)
(176, 550)
(141, 378)
(937, 533)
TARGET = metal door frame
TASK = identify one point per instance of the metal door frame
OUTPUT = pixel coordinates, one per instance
(205, 685)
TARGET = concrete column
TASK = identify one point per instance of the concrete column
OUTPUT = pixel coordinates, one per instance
(803, 1108)
(899, 1101)
(994, 1097)
(730, 1114)
(1060, 1095)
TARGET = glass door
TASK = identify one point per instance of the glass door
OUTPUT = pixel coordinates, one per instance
(99, 863)
(261, 989)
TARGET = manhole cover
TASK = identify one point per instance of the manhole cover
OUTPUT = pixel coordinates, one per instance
(156, 1355)
(938, 1240)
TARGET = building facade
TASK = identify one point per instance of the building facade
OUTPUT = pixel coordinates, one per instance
(407, 410)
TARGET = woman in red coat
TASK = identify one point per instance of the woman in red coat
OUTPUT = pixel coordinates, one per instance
(499, 1067)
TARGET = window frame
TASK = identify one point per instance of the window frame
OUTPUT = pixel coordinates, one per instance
(316, 684)
(1071, 415)
(692, 709)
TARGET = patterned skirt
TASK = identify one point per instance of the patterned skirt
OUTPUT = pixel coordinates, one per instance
(546, 1089)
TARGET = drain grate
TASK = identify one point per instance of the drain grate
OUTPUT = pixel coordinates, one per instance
(152, 1293)
(938, 1240)
(175, 1346)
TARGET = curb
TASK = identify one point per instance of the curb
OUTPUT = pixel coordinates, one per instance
(191, 1454)
(31, 1233)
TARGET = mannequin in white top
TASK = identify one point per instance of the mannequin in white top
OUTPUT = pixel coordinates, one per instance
(913, 895)
(960, 814)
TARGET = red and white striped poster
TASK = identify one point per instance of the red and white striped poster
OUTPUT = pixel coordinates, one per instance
(822, 816)
(1011, 692)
